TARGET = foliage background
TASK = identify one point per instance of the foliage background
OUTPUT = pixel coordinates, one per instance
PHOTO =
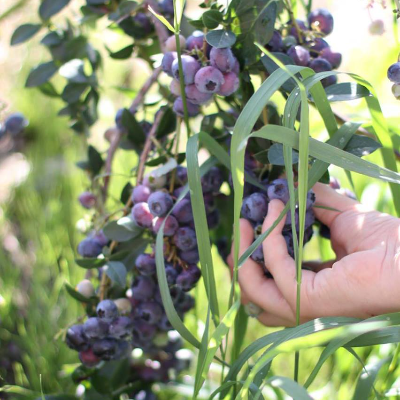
(39, 185)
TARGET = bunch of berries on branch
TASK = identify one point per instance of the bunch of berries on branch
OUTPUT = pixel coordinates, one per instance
(207, 71)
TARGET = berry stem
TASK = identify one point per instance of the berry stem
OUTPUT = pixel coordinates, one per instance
(288, 6)
(176, 152)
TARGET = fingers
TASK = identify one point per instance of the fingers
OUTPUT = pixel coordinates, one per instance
(328, 197)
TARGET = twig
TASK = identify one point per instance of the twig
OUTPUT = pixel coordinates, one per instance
(342, 119)
(117, 136)
(161, 30)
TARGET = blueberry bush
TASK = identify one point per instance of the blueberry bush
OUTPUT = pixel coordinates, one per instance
(210, 148)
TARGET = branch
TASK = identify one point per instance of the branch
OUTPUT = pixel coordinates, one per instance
(161, 29)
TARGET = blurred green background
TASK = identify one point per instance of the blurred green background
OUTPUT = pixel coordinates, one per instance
(39, 185)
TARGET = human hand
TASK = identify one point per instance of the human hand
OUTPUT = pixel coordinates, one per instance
(362, 282)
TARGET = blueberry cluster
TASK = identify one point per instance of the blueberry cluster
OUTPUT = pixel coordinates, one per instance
(394, 76)
(207, 71)
(304, 43)
(255, 208)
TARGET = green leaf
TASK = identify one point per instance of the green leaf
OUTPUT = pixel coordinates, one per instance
(122, 230)
(265, 22)
(292, 388)
(49, 90)
(51, 39)
(73, 92)
(123, 53)
(95, 160)
(162, 19)
(362, 146)
(221, 38)
(41, 74)
(346, 91)
(24, 33)
(201, 226)
(275, 155)
(135, 131)
(212, 19)
(179, 6)
(167, 124)
(116, 271)
(48, 8)
(126, 193)
(90, 263)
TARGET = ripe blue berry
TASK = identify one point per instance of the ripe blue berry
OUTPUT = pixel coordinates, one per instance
(255, 207)
(193, 109)
(258, 255)
(223, 59)
(107, 309)
(230, 85)
(160, 203)
(317, 46)
(87, 200)
(105, 348)
(190, 257)
(320, 65)
(302, 27)
(276, 42)
(15, 124)
(95, 328)
(170, 227)
(167, 61)
(89, 248)
(190, 66)
(150, 312)
(209, 80)
(188, 278)
(279, 190)
(299, 54)
(76, 338)
(143, 330)
(171, 273)
(121, 327)
(146, 264)
(140, 194)
(164, 324)
(211, 182)
(195, 41)
(101, 238)
(394, 72)
(185, 239)
(143, 288)
(167, 7)
(334, 58)
(195, 96)
(142, 216)
(321, 20)
(183, 211)
(186, 304)
(213, 219)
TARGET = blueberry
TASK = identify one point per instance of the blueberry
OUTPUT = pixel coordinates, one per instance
(140, 194)
(160, 203)
(181, 174)
(310, 199)
(209, 202)
(330, 80)
(193, 109)
(325, 232)
(164, 324)
(101, 238)
(167, 7)
(118, 120)
(89, 248)
(394, 72)
(185, 239)
(88, 358)
(188, 278)
(167, 61)
(211, 182)
(143, 288)
(189, 257)
(76, 338)
(321, 20)
(143, 330)
(87, 200)
(15, 124)
(186, 304)
(95, 328)
(317, 46)
(230, 85)
(334, 58)
(142, 21)
(142, 216)
(299, 54)
(107, 309)
(223, 59)
(276, 43)
(289, 242)
(209, 80)
(170, 43)
(279, 190)
(175, 87)
(236, 67)
(190, 66)
(183, 211)
(121, 327)
(195, 41)
(105, 348)
(255, 207)
(396, 90)
(258, 255)
(302, 27)
(85, 288)
(171, 273)
(213, 219)
(195, 96)
(150, 312)
(320, 65)
(170, 227)
(146, 264)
